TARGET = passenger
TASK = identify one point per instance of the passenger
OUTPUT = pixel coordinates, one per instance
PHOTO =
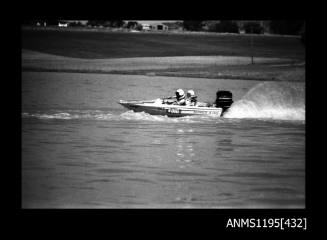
(180, 97)
(191, 99)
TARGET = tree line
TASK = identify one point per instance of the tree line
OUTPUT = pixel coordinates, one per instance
(284, 27)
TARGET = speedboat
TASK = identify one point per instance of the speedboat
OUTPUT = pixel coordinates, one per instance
(160, 107)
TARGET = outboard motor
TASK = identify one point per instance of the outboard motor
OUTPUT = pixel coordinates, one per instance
(224, 100)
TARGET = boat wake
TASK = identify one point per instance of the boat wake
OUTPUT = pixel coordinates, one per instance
(271, 100)
(106, 116)
(266, 101)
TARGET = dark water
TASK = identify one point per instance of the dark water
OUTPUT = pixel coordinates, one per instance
(82, 149)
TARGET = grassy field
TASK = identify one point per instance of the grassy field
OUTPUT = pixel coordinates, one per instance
(263, 72)
(93, 44)
(165, 54)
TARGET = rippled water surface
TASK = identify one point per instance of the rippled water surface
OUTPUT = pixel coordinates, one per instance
(82, 149)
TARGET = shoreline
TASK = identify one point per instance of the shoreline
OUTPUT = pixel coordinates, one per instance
(211, 67)
(167, 74)
(121, 30)
(105, 44)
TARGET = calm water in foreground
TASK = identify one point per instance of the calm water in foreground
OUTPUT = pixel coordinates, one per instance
(82, 149)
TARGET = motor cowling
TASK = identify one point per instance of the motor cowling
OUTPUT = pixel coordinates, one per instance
(224, 99)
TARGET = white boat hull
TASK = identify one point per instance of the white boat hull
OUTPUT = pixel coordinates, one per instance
(155, 107)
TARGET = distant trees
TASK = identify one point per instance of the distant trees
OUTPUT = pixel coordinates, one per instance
(192, 25)
(52, 22)
(131, 24)
(174, 25)
(212, 26)
(106, 23)
(253, 27)
(30, 22)
(115, 23)
(75, 24)
(139, 27)
(286, 27)
(221, 26)
(92, 23)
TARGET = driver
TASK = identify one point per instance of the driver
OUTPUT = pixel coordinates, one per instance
(180, 97)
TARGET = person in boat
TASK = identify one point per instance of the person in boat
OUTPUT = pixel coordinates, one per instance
(179, 98)
(191, 98)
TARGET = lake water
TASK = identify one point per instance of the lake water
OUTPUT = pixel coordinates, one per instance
(81, 149)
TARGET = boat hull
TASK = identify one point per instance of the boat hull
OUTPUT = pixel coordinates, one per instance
(155, 107)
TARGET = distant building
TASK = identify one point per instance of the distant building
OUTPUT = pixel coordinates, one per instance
(174, 26)
(146, 27)
(154, 27)
(160, 27)
(74, 23)
(60, 24)
(263, 24)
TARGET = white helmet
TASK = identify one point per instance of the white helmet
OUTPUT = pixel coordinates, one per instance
(180, 93)
(190, 93)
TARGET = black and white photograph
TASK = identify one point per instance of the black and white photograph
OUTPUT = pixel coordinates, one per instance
(163, 114)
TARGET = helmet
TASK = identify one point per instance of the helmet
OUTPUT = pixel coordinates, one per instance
(190, 93)
(180, 93)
